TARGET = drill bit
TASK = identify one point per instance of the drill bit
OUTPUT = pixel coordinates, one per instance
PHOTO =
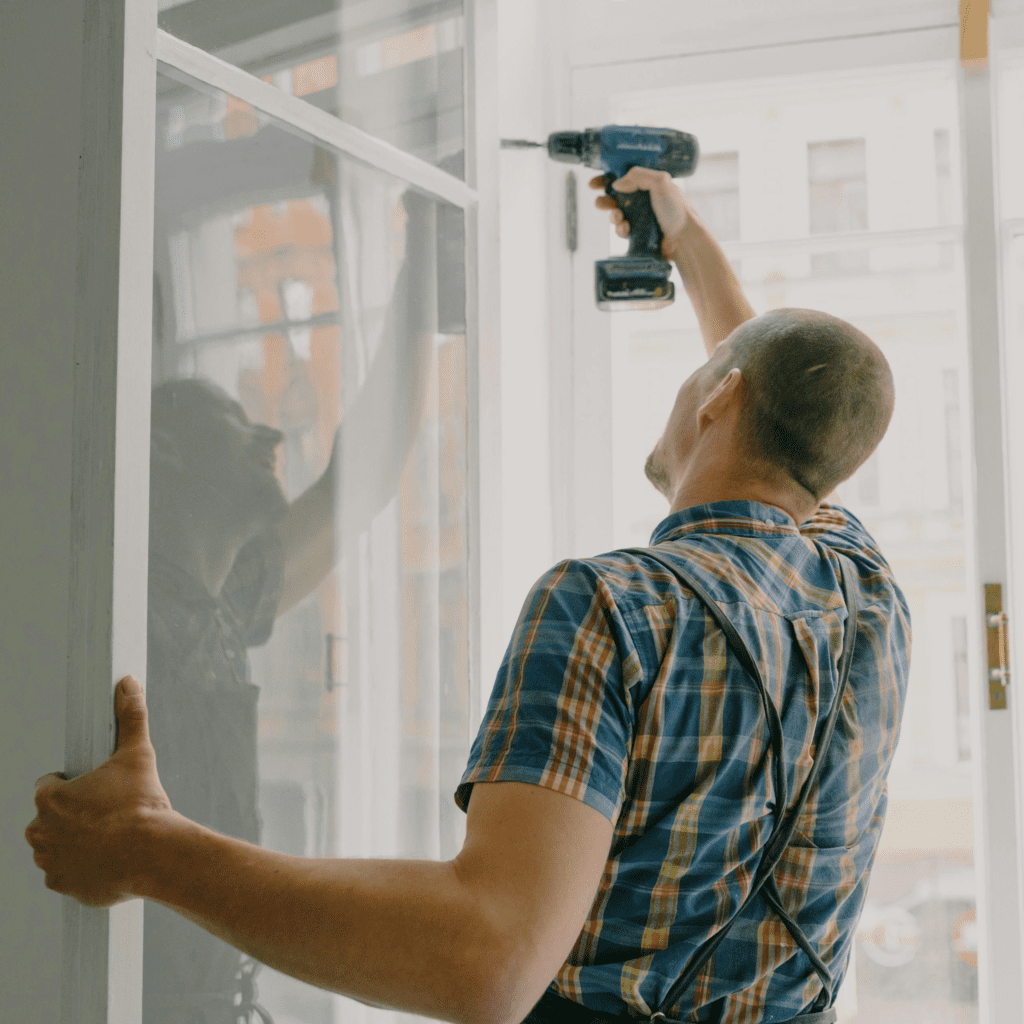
(520, 144)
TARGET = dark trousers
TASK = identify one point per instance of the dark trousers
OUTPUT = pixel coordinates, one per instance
(553, 1009)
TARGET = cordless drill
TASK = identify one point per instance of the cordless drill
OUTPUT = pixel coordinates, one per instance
(640, 279)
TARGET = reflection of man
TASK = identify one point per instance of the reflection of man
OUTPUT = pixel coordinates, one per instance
(228, 554)
(216, 580)
(619, 794)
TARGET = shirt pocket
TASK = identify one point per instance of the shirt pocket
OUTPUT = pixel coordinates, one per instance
(806, 866)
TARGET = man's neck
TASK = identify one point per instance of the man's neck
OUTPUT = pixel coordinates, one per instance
(705, 488)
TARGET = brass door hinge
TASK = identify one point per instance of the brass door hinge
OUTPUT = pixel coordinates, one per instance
(996, 630)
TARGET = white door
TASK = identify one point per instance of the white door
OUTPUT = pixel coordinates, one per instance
(834, 175)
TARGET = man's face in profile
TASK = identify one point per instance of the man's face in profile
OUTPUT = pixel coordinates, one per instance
(675, 447)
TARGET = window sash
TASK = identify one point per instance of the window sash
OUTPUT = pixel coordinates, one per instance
(102, 949)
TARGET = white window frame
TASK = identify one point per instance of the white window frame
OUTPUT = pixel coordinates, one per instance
(101, 974)
(584, 431)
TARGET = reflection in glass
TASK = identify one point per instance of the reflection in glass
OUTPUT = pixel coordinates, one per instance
(393, 69)
(837, 188)
(916, 950)
(308, 620)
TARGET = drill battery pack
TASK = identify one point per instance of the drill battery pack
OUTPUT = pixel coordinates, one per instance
(633, 282)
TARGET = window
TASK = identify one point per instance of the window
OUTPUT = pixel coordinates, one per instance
(837, 190)
(954, 440)
(316, 623)
(311, 349)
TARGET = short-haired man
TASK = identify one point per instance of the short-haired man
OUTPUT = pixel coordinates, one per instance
(624, 785)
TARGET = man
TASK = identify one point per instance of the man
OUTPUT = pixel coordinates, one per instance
(620, 792)
(228, 554)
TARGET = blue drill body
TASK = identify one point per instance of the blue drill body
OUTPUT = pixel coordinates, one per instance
(640, 279)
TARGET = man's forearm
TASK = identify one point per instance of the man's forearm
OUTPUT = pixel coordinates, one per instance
(710, 282)
(394, 933)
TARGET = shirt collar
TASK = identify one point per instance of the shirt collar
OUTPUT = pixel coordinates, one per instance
(749, 518)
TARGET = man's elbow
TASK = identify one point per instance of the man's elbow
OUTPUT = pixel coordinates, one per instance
(503, 982)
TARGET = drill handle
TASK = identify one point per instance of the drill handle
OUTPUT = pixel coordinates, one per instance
(645, 234)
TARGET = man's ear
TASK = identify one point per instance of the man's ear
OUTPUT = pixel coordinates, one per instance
(721, 398)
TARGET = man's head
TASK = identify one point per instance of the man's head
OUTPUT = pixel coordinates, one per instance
(209, 459)
(810, 402)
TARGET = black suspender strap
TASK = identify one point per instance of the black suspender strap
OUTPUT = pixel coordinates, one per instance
(786, 817)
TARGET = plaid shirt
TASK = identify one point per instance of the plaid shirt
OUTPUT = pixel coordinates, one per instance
(618, 689)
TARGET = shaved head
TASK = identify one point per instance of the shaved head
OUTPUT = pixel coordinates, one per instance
(818, 394)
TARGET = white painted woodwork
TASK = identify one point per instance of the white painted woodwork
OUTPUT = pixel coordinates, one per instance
(483, 370)
(996, 776)
(102, 954)
(1008, 54)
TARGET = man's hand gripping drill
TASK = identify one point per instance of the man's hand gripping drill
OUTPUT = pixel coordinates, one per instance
(670, 206)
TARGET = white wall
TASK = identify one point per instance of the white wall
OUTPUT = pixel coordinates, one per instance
(40, 67)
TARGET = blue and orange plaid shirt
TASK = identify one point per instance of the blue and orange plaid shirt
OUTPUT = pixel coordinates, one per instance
(618, 689)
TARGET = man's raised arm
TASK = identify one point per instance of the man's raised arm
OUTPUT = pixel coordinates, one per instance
(710, 282)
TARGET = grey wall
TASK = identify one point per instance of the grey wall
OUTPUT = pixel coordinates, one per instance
(40, 71)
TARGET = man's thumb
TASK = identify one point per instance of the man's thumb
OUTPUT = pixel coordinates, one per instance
(130, 706)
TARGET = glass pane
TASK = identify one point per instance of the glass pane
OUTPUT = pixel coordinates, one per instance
(308, 637)
(393, 68)
(815, 155)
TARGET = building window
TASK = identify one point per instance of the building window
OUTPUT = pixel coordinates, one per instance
(954, 455)
(714, 191)
(837, 188)
(944, 191)
(961, 685)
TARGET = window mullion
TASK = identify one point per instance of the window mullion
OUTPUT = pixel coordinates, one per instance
(483, 288)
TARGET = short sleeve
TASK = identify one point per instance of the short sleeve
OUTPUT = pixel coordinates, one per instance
(559, 715)
(252, 590)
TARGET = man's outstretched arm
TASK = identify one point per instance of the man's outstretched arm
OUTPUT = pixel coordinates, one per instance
(476, 940)
(708, 277)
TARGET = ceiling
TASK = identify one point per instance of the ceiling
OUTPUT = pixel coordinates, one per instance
(611, 31)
